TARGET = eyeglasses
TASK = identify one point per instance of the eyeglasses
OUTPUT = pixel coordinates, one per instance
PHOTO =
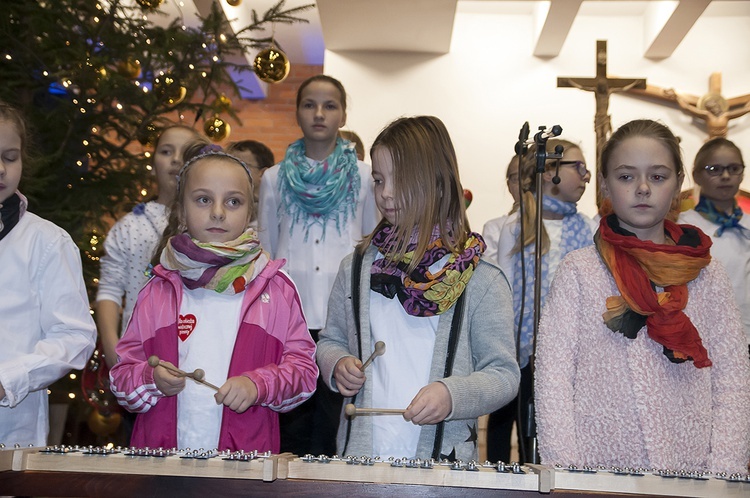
(734, 169)
(579, 165)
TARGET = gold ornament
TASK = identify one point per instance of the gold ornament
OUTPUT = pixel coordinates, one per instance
(216, 128)
(149, 4)
(169, 89)
(148, 134)
(271, 65)
(234, 3)
(130, 68)
(222, 103)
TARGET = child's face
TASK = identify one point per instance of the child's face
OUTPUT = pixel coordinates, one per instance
(10, 159)
(255, 170)
(722, 188)
(641, 182)
(217, 201)
(320, 113)
(382, 175)
(168, 157)
(511, 176)
(572, 185)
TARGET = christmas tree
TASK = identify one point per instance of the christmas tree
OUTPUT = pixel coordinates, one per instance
(96, 80)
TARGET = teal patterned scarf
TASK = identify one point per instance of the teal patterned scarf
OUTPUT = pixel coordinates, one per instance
(706, 208)
(326, 191)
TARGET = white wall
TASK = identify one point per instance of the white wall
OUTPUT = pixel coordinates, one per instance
(490, 83)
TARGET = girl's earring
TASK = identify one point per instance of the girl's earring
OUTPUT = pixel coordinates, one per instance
(182, 227)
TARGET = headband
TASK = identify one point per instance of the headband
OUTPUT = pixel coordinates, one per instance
(211, 150)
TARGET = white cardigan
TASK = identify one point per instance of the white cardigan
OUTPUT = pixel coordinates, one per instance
(46, 327)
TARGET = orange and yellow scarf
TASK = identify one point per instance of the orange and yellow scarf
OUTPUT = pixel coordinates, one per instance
(639, 265)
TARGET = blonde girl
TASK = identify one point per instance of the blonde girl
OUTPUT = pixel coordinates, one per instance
(219, 303)
(418, 284)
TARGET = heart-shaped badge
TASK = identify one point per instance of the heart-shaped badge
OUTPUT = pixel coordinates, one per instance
(185, 326)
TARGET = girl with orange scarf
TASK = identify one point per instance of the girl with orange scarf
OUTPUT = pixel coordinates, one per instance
(640, 356)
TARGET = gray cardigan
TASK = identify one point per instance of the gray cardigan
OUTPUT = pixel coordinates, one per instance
(485, 372)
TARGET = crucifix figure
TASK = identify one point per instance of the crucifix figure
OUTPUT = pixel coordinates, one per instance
(712, 108)
(603, 87)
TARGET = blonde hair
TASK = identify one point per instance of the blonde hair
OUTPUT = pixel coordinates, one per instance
(527, 172)
(427, 187)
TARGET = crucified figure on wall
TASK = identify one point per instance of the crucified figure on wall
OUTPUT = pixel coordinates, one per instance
(712, 108)
(603, 87)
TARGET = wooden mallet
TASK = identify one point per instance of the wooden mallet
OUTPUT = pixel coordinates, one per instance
(379, 350)
(198, 375)
(353, 411)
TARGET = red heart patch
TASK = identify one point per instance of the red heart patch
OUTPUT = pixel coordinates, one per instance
(185, 326)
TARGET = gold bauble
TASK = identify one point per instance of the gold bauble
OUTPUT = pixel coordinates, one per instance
(222, 103)
(104, 425)
(234, 3)
(149, 4)
(148, 134)
(271, 65)
(169, 89)
(216, 128)
(130, 68)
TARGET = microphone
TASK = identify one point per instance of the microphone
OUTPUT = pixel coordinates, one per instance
(558, 152)
(523, 136)
(543, 135)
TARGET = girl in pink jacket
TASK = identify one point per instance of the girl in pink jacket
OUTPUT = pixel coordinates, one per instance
(216, 302)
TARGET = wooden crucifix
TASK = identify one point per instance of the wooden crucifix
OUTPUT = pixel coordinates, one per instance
(603, 87)
(712, 108)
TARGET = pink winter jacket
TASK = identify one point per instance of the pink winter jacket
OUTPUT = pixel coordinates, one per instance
(273, 349)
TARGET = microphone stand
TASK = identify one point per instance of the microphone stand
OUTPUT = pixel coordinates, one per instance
(542, 156)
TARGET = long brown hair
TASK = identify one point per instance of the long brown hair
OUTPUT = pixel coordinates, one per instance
(428, 189)
(527, 172)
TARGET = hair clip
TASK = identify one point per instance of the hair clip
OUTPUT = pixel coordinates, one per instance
(210, 148)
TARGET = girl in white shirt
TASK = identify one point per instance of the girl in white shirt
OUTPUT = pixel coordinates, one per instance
(45, 323)
(719, 170)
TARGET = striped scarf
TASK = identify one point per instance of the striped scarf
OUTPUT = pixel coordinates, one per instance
(225, 267)
(322, 192)
(706, 208)
(635, 265)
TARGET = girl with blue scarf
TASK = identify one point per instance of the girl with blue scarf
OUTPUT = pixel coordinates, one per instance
(564, 230)
(718, 170)
(315, 206)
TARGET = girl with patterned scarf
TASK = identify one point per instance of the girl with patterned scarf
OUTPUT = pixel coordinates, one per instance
(315, 207)
(217, 302)
(641, 359)
(564, 229)
(418, 284)
(718, 170)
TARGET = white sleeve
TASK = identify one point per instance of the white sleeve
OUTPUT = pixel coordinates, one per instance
(68, 333)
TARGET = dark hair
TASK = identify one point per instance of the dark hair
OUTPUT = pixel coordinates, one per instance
(708, 148)
(427, 185)
(642, 128)
(262, 153)
(326, 79)
(359, 147)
